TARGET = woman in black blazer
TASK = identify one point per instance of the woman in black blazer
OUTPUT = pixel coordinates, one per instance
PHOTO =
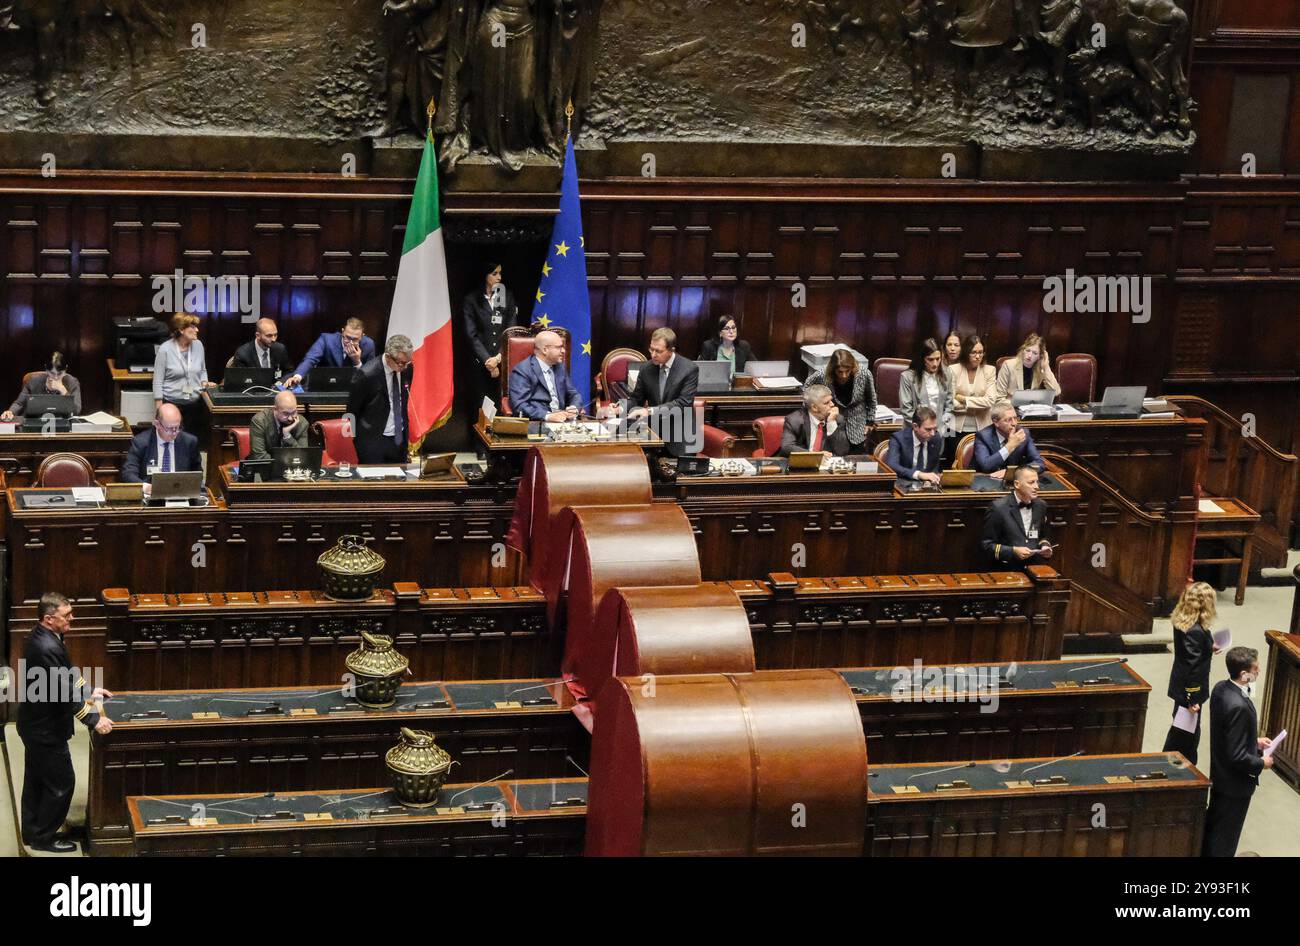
(724, 346)
(1189, 678)
(487, 313)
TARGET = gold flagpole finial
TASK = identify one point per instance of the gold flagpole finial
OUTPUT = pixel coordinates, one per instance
(568, 119)
(433, 109)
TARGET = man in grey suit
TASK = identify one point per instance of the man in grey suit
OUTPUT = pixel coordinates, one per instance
(53, 380)
(665, 395)
(278, 426)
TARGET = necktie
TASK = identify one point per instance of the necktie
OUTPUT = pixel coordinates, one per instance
(549, 376)
(921, 464)
(266, 357)
(817, 440)
(663, 384)
(399, 415)
(167, 457)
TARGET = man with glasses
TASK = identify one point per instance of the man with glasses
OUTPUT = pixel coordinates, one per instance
(163, 448)
(378, 402)
(348, 347)
(56, 695)
(278, 426)
(540, 388)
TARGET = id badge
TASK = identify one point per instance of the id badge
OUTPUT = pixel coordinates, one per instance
(1033, 535)
(152, 468)
(497, 319)
(189, 393)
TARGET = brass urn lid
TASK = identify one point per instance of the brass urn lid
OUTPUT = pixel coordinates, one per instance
(417, 754)
(351, 556)
(376, 657)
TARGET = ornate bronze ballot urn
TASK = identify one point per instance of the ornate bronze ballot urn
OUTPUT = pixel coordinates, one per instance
(350, 570)
(418, 768)
(378, 670)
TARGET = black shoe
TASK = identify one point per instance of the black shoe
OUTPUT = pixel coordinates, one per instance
(55, 847)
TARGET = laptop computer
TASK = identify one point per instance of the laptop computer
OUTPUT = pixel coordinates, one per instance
(1119, 402)
(1037, 396)
(289, 458)
(38, 405)
(241, 379)
(330, 379)
(715, 376)
(185, 484)
(767, 369)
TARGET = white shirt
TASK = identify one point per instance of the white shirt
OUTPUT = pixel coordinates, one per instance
(813, 422)
(1026, 517)
(390, 428)
(158, 454)
(1245, 690)
(917, 446)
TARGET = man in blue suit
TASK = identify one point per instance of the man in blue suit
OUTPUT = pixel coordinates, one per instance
(915, 451)
(351, 346)
(164, 448)
(539, 386)
(1005, 443)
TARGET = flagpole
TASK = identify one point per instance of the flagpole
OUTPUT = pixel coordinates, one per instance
(413, 448)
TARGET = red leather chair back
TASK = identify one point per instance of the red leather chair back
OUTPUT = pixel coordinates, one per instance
(768, 431)
(613, 372)
(64, 470)
(887, 372)
(241, 441)
(717, 442)
(516, 345)
(1077, 373)
(336, 438)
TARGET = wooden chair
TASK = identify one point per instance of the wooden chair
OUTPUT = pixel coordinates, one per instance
(63, 471)
(717, 442)
(242, 442)
(611, 382)
(965, 453)
(881, 450)
(336, 438)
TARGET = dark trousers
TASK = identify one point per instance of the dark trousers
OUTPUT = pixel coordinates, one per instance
(1185, 742)
(48, 781)
(1223, 824)
(380, 450)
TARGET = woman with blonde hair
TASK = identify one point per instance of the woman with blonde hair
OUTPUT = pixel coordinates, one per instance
(1189, 678)
(1029, 370)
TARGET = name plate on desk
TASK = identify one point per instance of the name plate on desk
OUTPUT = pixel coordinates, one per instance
(91, 429)
(8, 428)
(176, 504)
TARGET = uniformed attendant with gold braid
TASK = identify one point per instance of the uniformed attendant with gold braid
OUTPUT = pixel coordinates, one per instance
(51, 700)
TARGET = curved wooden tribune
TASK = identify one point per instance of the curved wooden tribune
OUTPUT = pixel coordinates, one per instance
(729, 764)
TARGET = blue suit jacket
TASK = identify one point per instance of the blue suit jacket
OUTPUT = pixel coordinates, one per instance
(528, 395)
(327, 352)
(900, 453)
(144, 448)
(986, 456)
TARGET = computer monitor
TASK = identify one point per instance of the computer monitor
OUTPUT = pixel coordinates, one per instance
(241, 379)
(1127, 399)
(1036, 396)
(289, 458)
(330, 379)
(767, 369)
(715, 376)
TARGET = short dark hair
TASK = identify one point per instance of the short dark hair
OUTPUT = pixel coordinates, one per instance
(58, 362)
(722, 323)
(51, 601)
(967, 346)
(923, 413)
(1237, 659)
(1023, 471)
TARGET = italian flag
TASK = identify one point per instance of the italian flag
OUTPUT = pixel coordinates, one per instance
(422, 306)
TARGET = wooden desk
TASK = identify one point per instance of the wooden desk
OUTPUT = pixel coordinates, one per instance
(1282, 703)
(127, 380)
(518, 818)
(226, 411)
(21, 454)
(345, 747)
(1233, 522)
(505, 455)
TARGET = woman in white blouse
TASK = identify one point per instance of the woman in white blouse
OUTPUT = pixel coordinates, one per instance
(926, 383)
(974, 388)
(1030, 370)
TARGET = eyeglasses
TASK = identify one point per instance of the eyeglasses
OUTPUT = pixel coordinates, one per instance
(169, 429)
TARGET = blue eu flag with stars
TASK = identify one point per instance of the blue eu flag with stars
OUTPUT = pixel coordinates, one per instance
(562, 299)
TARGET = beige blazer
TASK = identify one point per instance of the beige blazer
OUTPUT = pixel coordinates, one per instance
(980, 396)
(1011, 379)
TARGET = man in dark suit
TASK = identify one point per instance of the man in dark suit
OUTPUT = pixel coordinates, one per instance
(1015, 526)
(816, 427)
(45, 720)
(1236, 753)
(381, 431)
(350, 346)
(278, 426)
(264, 351)
(540, 388)
(915, 451)
(163, 448)
(665, 395)
(1005, 443)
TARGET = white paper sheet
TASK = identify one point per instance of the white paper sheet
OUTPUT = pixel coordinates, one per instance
(1223, 638)
(8, 428)
(885, 415)
(1277, 741)
(770, 384)
(87, 494)
(380, 472)
(1208, 505)
(489, 409)
(1185, 719)
(102, 417)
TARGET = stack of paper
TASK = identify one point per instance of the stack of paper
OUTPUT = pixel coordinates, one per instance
(102, 417)
(1068, 412)
(1037, 410)
(1208, 505)
(885, 415)
(776, 384)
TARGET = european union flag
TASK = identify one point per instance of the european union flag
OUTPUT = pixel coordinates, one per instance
(562, 298)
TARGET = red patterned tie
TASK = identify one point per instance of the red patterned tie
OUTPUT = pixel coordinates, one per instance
(817, 441)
